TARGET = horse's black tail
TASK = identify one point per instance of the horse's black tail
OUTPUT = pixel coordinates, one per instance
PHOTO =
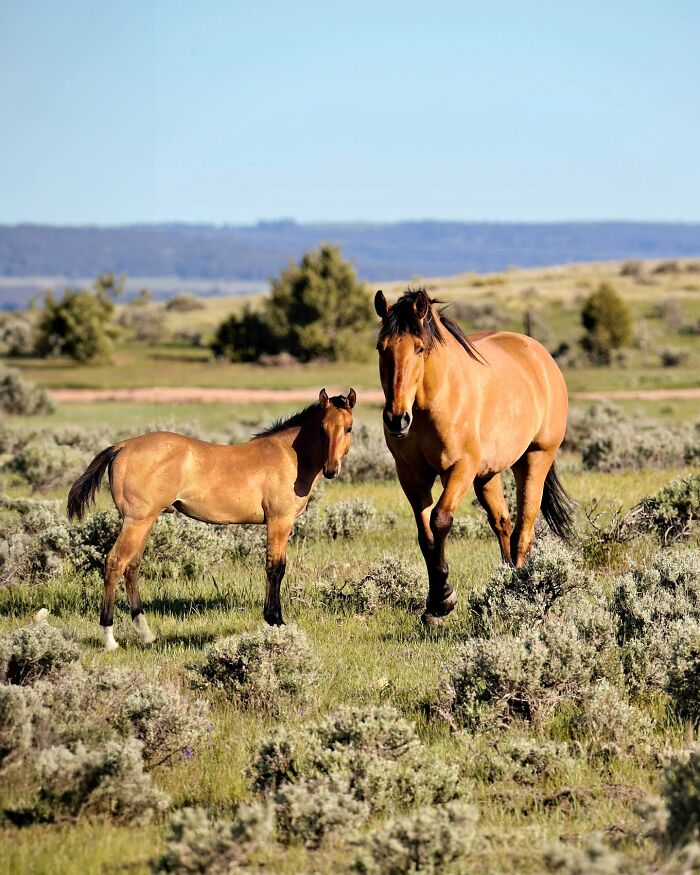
(558, 508)
(83, 491)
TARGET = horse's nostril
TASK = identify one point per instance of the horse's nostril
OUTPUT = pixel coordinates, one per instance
(406, 420)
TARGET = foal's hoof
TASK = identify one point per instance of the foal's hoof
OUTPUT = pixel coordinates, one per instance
(434, 614)
(273, 619)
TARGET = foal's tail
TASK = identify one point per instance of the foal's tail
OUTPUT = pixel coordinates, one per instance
(558, 508)
(83, 491)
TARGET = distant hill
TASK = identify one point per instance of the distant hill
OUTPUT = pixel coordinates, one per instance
(380, 251)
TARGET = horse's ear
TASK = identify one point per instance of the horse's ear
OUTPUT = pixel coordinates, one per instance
(323, 399)
(420, 305)
(352, 398)
(380, 304)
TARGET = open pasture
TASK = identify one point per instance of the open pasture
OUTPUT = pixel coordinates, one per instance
(562, 776)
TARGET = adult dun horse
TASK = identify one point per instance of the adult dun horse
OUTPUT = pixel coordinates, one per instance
(464, 409)
(266, 480)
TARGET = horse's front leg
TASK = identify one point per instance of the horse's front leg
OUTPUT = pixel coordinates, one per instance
(278, 531)
(456, 482)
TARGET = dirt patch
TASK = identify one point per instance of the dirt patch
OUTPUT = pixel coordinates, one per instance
(194, 395)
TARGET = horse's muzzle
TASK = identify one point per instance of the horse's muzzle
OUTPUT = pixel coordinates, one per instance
(397, 426)
(331, 473)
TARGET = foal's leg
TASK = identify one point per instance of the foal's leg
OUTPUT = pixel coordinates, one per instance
(278, 531)
(124, 556)
(530, 472)
(489, 492)
(457, 481)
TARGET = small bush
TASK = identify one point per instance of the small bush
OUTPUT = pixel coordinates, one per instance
(16, 335)
(608, 726)
(311, 812)
(20, 396)
(195, 845)
(593, 859)
(608, 324)
(348, 519)
(683, 680)
(520, 597)
(161, 719)
(37, 541)
(45, 464)
(369, 458)
(184, 303)
(15, 723)
(673, 512)
(515, 760)
(673, 358)
(34, 652)
(680, 793)
(431, 840)
(373, 752)
(262, 670)
(104, 780)
(388, 582)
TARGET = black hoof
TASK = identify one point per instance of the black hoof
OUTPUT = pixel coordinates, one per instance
(434, 613)
(273, 619)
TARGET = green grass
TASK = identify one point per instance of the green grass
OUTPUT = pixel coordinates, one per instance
(385, 657)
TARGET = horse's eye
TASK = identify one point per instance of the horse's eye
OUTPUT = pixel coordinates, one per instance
(420, 350)
(348, 430)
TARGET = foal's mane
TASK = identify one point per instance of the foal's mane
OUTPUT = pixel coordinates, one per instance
(301, 417)
(402, 319)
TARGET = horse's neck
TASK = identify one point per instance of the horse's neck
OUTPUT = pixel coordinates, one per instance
(306, 448)
(444, 367)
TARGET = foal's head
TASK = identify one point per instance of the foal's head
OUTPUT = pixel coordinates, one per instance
(336, 429)
(409, 332)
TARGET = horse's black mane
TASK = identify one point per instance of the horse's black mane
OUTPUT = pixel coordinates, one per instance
(402, 319)
(301, 417)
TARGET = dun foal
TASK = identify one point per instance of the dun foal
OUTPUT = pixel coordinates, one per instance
(266, 480)
(464, 409)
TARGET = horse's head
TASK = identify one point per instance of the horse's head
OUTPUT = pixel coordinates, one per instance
(336, 429)
(408, 332)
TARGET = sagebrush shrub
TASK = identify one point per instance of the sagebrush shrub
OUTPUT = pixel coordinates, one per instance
(312, 811)
(508, 677)
(594, 858)
(673, 512)
(34, 652)
(683, 678)
(519, 597)
(430, 840)
(374, 752)
(389, 582)
(15, 723)
(104, 780)
(348, 519)
(608, 726)
(679, 818)
(263, 670)
(515, 759)
(36, 543)
(369, 458)
(196, 845)
(20, 396)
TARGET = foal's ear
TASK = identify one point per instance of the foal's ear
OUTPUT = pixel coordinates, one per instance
(352, 398)
(420, 305)
(323, 399)
(380, 304)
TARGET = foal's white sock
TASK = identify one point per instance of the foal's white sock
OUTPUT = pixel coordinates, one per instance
(142, 630)
(108, 637)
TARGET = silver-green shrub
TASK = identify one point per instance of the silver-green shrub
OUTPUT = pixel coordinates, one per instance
(36, 541)
(196, 845)
(369, 458)
(35, 652)
(683, 678)
(374, 752)
(103, 780)
(348, 519)
(263, 670)
(15, 723)
(594, 858)
(516, 759)
(517, 598)
(20, 396)
(677, 820)
(608, 726)
(390, 582)
(673, 512)
(313, 811)
(431, 840)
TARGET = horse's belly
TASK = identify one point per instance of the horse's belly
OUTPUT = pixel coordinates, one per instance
(225, 509)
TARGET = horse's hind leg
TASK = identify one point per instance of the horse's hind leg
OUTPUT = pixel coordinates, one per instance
(124, 559)
(530, 472)
(489, 492)
(278, 531)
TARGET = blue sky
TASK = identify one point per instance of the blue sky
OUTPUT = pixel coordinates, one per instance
(238, 111)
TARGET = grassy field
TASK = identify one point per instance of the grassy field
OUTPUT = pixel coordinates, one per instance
(385, 657)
